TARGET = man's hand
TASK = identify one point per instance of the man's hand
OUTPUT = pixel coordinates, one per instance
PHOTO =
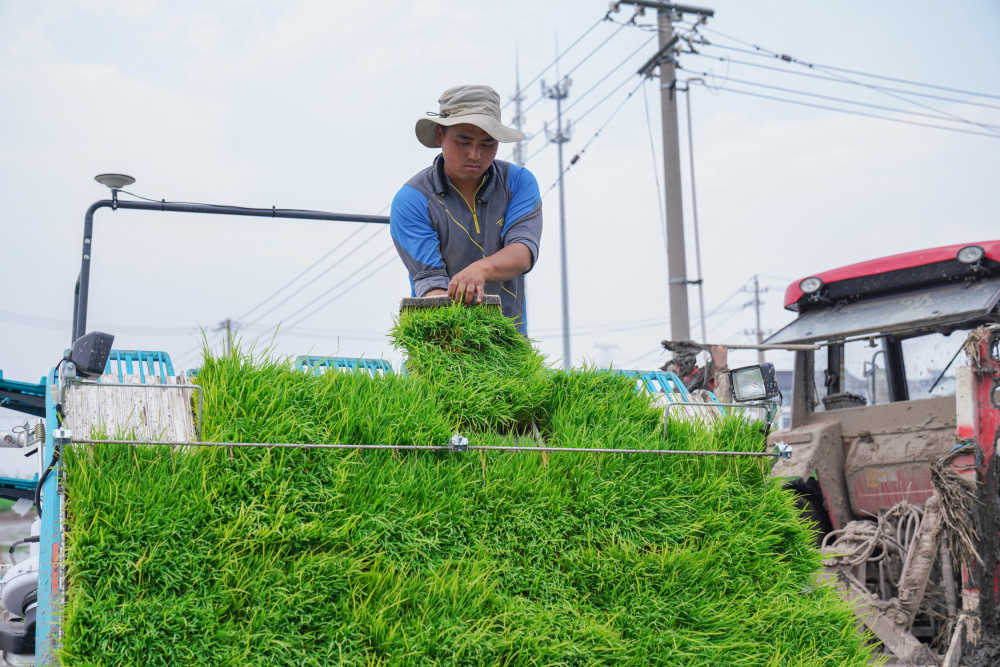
(467, 285)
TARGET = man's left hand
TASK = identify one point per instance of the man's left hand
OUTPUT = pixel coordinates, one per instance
(467, 285)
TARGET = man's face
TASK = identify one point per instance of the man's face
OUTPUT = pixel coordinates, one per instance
(468, 152)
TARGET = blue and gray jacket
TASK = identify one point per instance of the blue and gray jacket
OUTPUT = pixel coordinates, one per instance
(437, 233)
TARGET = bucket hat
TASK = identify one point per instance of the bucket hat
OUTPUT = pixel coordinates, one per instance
(476, 105)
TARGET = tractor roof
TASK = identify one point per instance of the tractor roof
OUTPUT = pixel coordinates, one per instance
(894, 273)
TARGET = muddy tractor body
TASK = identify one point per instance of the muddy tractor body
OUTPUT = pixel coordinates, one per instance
(894, 427)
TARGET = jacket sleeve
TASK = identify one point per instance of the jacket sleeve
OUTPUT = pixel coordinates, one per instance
(416, 241)
(523, 219)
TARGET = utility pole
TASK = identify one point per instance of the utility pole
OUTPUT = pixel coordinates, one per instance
(228, 325)
(559, 92)
(756, 302)
(518, 119)
(664, 58)
(694, 215)
(756, 310)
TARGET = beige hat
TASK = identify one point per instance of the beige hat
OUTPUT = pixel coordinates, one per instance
(476, 105)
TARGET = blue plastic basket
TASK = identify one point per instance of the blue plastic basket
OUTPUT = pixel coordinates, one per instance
(148, 363)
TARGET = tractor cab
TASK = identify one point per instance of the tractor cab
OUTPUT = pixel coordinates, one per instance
(899, 391)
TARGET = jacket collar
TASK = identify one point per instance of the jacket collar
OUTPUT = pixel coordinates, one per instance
(442, 184)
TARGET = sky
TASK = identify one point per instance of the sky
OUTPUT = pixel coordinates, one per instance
(305, 104)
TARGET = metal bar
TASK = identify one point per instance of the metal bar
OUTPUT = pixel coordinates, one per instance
(82, 292)
(495, 448)
(656, 58)
(718, 404)
(664, 6)
(795, 347)
(201, 394)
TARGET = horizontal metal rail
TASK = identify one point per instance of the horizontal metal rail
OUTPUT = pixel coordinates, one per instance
(440, 448)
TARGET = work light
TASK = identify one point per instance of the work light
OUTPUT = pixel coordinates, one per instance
(90, 353)
(753, 383)
(970, 254)
(810, 285)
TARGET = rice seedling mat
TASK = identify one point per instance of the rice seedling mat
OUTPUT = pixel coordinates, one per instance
(280, 555)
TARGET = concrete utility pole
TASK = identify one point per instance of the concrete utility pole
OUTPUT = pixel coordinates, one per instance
(694, 216)
(664, 58)
(559, 92)
(228, 325)
(680, 328)
(756, 302)
(518, 119)
(756, 310)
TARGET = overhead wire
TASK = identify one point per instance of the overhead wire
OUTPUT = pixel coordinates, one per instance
(787, 58)
(299, 275)
(335, 286)
(579, 154)
(557, 58)
(821, 77)
(831, 98)
(392, 259)
(604, 78)
(855, 112)
(576, 66)
(763, 52)
(348, 255)
(656, 169)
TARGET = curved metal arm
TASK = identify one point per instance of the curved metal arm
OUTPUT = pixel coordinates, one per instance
(82, 290)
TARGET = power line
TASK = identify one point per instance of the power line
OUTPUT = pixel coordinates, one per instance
(573, 69)
(656, 169)
(854, 112)
(583, 149)
(327, 270)
(368, 275)
(632, 362)
(335, 286)
(565, 51)
(820, 77)
(299, 275)
(788, 58)
(832, 98)
(577, 66)
(307, 269)
(597, 84)
(606, 76)
(760, 50)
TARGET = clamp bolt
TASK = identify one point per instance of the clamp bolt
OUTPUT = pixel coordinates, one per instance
(783, 449)
(459, 443)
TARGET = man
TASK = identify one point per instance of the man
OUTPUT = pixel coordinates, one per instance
(469, 224)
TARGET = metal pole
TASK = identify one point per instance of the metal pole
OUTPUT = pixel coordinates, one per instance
(756, 309)
(82, 291)
(559, 92)
(518, 119)
(567, 359)
(680, 328)
(694, 216)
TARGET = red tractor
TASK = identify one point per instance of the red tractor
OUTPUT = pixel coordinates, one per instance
(894, 426)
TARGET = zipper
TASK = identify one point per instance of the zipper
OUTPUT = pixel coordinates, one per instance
(472, 207)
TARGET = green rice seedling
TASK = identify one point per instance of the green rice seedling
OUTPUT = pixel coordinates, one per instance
(320, 557)
(480, 369)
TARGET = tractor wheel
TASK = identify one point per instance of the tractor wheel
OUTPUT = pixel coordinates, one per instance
(809, 500)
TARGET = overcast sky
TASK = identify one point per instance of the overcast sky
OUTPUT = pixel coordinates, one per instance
(312, 105)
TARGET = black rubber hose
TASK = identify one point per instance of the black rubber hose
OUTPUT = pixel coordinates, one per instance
(26, 540)
(41, 481)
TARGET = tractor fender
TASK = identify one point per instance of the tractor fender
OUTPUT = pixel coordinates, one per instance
(817, 451)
